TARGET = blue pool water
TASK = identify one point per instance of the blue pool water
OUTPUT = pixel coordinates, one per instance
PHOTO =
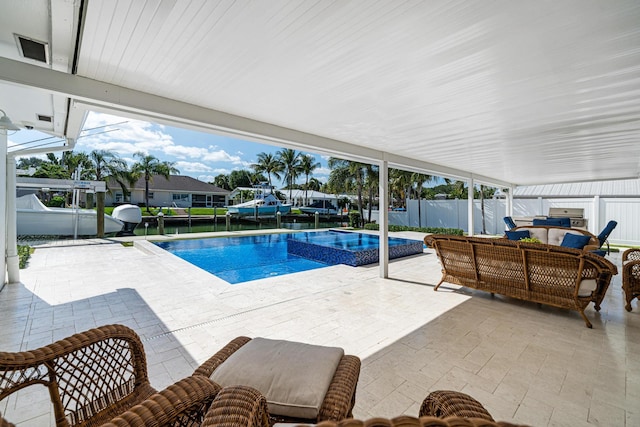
(241, 259)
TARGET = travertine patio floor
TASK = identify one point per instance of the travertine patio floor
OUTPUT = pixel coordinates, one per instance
(530, 364)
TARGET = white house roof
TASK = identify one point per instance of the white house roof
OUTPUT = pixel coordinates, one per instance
(618, 188)
(505, 92)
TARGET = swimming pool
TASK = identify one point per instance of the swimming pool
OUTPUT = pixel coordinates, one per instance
(241, 259)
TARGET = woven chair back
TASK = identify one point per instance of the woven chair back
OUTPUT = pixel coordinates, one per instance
(90, 375)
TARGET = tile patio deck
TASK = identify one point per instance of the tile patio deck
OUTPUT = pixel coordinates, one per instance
(532, 365)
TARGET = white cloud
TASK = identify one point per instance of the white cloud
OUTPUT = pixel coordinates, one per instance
(192, 167)
(206, 178)
(321, 171)
(136, 135)
(222, 156)
(222, 171)
(122, 136)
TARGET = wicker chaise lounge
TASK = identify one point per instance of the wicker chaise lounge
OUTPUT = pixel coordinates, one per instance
(338, 401)
(541, 273)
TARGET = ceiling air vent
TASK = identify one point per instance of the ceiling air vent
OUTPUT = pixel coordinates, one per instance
(33, 49)
(44, 118)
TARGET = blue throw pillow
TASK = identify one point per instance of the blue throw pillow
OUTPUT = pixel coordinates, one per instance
(517, 235)
(577, 241)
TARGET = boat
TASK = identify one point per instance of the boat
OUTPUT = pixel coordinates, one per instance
(35, 219)
(263, 203)
(323, 207)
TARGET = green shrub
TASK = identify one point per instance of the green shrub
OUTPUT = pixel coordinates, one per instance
(56, 202)
(354, 219)
(24, 252)
(433, 230)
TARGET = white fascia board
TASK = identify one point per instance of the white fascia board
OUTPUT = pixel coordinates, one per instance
(94, 95)
(412, 165)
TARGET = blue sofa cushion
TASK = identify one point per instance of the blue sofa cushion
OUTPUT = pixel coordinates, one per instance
(518, 234)
(577, 241)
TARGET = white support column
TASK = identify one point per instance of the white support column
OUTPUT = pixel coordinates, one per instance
(13, 260)
(383, 220)
(3, 200)
(595, 225)
(470, 206)
(540, 206)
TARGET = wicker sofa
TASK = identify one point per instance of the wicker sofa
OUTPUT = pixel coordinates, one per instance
(541, 273)
(554, 235)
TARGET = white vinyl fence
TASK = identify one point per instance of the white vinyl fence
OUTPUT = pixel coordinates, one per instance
(453, 214)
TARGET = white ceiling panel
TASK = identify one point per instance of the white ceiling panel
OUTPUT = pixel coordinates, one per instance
(524, 92)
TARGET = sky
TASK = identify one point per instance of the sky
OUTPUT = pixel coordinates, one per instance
(200, 155)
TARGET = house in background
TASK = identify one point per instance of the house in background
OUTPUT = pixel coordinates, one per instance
(179, 191)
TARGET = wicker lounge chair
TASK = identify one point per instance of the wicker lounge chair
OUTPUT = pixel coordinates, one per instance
(631, 275)
(99, 374)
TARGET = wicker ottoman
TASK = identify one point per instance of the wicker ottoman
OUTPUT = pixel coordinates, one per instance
(302, 383)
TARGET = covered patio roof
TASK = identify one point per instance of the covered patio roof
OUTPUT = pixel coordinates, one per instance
(508, 93)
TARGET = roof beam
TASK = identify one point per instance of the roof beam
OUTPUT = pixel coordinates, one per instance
(100, 96)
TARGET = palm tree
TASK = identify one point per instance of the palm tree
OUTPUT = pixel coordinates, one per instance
(104, 163)
(400, 183)
(307, 165)
(126, 179)
(148, 166)
(315, 184)
(101, 165)
(74, 161)
(269, 164)
(420, 179)
(371, 183)
(222, 181)
(290, 161)
(345, 175)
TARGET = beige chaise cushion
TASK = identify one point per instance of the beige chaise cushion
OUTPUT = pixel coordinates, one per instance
(294, 377)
